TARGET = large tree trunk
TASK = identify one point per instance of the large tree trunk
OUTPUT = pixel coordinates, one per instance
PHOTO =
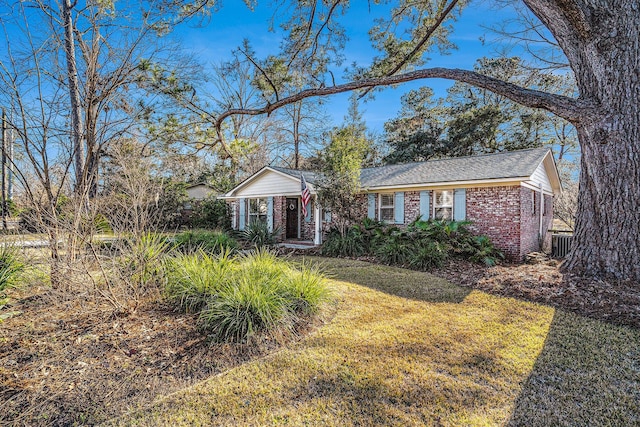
(607, 234)
(606, 240)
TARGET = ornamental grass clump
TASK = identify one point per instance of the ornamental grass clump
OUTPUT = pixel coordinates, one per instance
(141, 265)
(11, 266)
(245, 296)
(191, 279)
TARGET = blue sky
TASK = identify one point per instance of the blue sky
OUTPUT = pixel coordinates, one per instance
(234, 22)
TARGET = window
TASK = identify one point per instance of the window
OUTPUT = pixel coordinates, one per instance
(256, 211)
(443, 205)
(387, 212)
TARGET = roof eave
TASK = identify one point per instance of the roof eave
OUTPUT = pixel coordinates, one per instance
(467, 183)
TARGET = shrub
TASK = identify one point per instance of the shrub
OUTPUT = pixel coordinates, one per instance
(484, 251)
(213, 242)
(369, 229)
(351, 244)
(257, 233)
(427, 254)
(210, 213)
(423, 244)
(240, 297)
(392, 247)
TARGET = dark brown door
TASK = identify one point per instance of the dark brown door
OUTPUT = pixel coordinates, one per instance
(292, 218)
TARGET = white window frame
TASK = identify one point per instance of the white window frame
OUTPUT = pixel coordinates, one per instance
(257, 215)
(436, 207)
(392, 207)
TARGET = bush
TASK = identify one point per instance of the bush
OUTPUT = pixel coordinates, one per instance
(257, 233)
(210, 213)
(393, 247)
(423, 244)
(352, 244)
(485, 252)
(213, 242)
(427, 255)
(241, 297)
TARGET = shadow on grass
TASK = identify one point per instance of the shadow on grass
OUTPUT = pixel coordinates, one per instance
(588, 373)
(410, 284)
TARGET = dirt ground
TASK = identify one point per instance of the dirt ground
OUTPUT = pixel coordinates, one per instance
(73, 361)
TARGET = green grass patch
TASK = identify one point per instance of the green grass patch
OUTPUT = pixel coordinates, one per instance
(406, 348)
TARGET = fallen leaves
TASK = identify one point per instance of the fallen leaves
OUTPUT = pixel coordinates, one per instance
(614, 301)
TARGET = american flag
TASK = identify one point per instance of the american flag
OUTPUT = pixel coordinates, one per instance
(306, 195)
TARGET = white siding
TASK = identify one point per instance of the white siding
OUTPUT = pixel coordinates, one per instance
(270, 184)
(540, 177)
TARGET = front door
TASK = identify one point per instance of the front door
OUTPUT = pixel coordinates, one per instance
(292, 218)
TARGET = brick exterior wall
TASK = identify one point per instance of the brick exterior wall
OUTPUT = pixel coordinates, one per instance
(504, 213)
(495, 212)
(280, 215)
(411, 206)
(507, 216)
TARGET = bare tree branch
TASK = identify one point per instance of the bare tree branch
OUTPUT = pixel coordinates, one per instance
(421, 43)
(424, 39)
(572, 110)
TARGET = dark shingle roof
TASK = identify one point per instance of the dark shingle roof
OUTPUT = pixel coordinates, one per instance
(512, 164)
(309, 176)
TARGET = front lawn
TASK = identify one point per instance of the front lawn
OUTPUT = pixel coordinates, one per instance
(401, 347)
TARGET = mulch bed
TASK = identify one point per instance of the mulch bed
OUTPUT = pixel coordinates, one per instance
(612, 301)
(72, 360)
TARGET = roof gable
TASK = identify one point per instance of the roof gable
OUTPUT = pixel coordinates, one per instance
(268, 181)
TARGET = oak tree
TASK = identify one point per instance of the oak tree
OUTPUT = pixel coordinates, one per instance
(602, 48)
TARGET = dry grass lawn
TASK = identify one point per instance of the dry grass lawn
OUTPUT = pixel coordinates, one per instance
(400, 347)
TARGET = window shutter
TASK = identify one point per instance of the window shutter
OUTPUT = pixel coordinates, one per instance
(307, 218)
(398, 208)
(243, 215)
(270, 213)
(425, 209)
(371, 209)
(459, 204)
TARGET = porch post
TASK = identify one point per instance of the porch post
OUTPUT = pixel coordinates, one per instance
(317, 239)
